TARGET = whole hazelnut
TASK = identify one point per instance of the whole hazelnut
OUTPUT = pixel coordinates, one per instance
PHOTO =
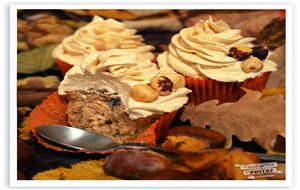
(252, 64)
(260, 52)
(240, 52)
(143, 93)
(177, 80)
(162, 85)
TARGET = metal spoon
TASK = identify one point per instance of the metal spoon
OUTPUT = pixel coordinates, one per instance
(74, 138)
(78, 139)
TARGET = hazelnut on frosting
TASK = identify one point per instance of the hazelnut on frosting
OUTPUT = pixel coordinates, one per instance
(205, 50)
(99, 35)
(126, 73)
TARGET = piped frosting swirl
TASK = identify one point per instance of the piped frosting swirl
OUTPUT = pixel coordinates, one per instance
(99, 35)
(202, 51)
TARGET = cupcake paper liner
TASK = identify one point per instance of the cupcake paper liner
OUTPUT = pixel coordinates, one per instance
(158, 129)
(63, 66)
(53, 111)
(208, 89)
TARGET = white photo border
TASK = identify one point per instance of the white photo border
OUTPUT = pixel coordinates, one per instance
(152, 183)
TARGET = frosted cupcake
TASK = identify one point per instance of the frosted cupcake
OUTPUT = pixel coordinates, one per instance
(120, 94)
(98, 35)
(217, 61)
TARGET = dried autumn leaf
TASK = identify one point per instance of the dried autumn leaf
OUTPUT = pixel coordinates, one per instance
(86, 170)
(277, 78)
(24, 131)
(219, 163)
(35, 60)
(269, 91)
(116, 14)
(80, 12)
(250, 118)
(185, 144)
(46, 39)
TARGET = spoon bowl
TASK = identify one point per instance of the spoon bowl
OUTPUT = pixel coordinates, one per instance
(78, 139)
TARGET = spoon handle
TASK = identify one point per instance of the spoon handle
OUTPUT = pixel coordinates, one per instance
(143, 147)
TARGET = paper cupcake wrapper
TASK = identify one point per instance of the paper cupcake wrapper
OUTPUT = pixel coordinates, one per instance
(208, 89)
(63, 66)
(53, 111)
(157, 130)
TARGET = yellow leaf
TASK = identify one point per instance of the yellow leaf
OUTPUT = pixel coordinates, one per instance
(185, 144)
(24, 131)
(86, 170)
(273, 91)
(269, 91)
(55, 174)
(80, 12)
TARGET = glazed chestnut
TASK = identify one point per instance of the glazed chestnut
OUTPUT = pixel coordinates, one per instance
(21, 176)
(240, 52)
(26, 156)
(134, 164)
(260, 52)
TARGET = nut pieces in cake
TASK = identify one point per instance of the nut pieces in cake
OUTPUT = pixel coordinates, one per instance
(240, 52)
(177, 80)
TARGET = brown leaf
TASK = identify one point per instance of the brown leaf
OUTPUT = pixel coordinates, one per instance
(46, 39)
(38, 83)
(237, 19)
(42, 18)
(250, 118)
(86, 170)
(54, 28)
(113, 13)
(277, 78)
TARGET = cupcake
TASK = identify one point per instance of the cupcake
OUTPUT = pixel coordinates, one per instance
(98, 35)
(217, 61)
(120, 94)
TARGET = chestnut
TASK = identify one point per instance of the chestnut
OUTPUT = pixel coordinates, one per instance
(134, 164)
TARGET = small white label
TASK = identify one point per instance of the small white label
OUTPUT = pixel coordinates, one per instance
(262, 170)
(261, 165)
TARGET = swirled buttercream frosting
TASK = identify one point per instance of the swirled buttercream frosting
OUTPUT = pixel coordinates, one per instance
(204, 51)
(99, 35)
(117, 71)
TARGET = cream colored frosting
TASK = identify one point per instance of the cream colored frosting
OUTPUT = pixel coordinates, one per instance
(202, 51)
(117, 71)
(99, 35)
